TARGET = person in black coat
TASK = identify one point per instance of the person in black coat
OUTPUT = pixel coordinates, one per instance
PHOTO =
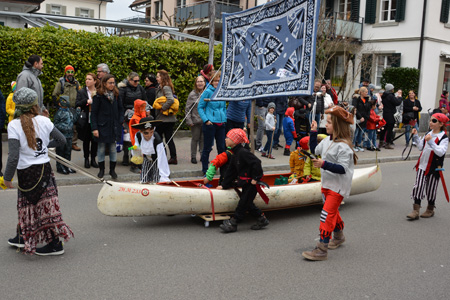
(362, 115)
(106, 122)
(390, 103)
(84, 101)
(411, 108)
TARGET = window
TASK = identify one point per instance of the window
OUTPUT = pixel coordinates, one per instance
(84, 13)
(159, 10)
(383, 62)
(345, 9)
(446, 85)
(55, 9)
(388, 10)
(181, 3)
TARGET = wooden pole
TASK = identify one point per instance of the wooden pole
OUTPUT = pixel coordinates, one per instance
(251, 130)
(212, 21)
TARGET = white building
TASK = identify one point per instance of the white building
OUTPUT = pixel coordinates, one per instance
(25, 6)
(93, 9)
(404, 33)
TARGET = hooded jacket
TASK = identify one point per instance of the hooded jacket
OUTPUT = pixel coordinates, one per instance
(213, 111)
(390, 103)
(129, 93)
(29, 78)
(139, 113)
(70, 89)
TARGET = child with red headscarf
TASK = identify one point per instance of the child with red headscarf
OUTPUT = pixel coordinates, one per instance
(289, 130)
(246, 168)
(433, 146)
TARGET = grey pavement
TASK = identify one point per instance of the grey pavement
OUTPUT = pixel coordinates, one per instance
(185, 169)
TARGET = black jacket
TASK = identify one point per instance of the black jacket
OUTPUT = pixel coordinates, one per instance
(408, 107)
(311, 99)
(362, 109)
(107, 118)
(243, 164)
(390, 103)
(129, 93)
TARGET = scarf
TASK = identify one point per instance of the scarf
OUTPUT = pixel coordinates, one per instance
(110, 96)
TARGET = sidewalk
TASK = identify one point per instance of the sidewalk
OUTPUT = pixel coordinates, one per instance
(185, 169)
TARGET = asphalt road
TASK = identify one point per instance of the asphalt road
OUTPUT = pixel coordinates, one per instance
(385, 256)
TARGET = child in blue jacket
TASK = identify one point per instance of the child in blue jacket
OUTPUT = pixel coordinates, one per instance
(289, 130)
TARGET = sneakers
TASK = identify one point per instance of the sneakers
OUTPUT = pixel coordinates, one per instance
(52, 248)
(260, 149)
(17, 241)
(318, 253)
(229, 225)
(264, 154)
(261, 222)
(355, 149)
(270, 156)
(360, 149)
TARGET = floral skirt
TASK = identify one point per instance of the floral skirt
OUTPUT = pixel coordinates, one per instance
(41, 222)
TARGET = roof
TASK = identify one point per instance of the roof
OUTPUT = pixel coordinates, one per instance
(36, 2)
(139, 2)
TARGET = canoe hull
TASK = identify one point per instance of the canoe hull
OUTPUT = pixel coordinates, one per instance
(134, 199)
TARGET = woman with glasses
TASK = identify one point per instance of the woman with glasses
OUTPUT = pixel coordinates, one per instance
(165, 128)
(193, 119)
(129, 91)
(214, 117)
(106, 122)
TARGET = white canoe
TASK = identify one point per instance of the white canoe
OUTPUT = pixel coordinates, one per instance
(185, 197)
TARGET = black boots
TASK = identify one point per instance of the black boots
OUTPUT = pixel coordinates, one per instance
(93, 162)
(112, 169)
(261, 222)
(287, 152)
(229, 225)
(87, 165)
(101, 165)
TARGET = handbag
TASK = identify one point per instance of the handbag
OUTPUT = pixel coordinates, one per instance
(82, 120)
(407, 117)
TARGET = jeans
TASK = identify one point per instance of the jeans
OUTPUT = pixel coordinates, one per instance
(408, 130)
(372, 138)
(260, 113)
(166, 129)
(112, 152)
(278, 128)
(197, 139)
(211, 132)
(357, 139)
(269, 144)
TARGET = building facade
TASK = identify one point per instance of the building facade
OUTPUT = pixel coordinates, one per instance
(25, 6)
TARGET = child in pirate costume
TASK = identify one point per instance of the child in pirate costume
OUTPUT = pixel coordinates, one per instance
(246, 168)
(154, 167)
(433, 146)
(337, 163)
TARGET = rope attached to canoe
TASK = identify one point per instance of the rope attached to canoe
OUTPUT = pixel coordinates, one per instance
(212, 200)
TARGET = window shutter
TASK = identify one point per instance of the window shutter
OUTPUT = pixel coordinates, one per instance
(366, 66)
(400, 14)
(91, 13)
(77, 12)
(48, 8)
(396, 60)
(329, 8)
(63, 10)
(371, 11)
(445, 8)
(354, 17)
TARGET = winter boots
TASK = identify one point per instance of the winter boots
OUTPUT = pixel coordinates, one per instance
(229, 225)
(319, 253)
(101, 165)
(429, 212)
(337, 240)
(287, 152)
(261, 222)
(414, 215)
(112, 169)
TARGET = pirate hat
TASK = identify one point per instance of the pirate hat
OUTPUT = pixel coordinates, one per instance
(146, 123)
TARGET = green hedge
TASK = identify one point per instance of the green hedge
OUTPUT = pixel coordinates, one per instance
(84, 51)
(405, 79)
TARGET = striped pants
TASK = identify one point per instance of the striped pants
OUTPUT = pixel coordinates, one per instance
(330, 219)
(425, 184)
(150, 171)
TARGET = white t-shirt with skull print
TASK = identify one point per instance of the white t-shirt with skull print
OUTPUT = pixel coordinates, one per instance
(27, 156)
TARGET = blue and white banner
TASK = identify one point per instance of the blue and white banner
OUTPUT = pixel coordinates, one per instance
(269, 50)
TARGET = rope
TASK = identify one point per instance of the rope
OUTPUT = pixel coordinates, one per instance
(212, 200)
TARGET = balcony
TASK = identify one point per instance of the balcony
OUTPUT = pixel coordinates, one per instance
(341, 26)
(200, 11)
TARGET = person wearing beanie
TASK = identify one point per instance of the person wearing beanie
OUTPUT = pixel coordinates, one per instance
(289, 130)
(68, 86)
(206, 72)
(64, 120)
(246, 168)
(29, 77)
(36, 182)
(390, 102)
(433, 145)
(270, 128)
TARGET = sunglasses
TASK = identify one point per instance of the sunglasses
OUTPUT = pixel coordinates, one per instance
(434, 120)
(135, 81)
(70, 72)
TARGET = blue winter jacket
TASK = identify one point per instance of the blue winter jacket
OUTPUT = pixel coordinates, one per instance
(288, 127)
(214, 111)
(237, 111)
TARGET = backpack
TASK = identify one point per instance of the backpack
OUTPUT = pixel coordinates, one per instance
(62, 81)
